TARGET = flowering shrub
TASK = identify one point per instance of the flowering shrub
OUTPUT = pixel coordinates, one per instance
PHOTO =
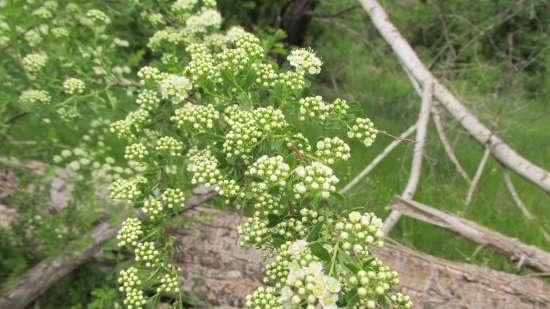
(221, 110)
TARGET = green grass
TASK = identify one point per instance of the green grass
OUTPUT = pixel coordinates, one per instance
(360, 67)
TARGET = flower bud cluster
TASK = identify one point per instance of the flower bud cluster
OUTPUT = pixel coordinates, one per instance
(250, 44)
(169, 145)
(315, 179)
(266, 76)
(272, 170)
(375, 281)
(73, 86)
(196, 118)
(146, 253)
(98, 16)
(202, 65)
(360, 231)
(136, 152)
(176, 88)
(269, 118)
(34, 63)
(292, 80)
(208, 19)
(305, 61)
(148, 99)
(402, 300)
(263, 298)
(183, 6)
(204, 168)
(124, 189)
(129, 281)
(43, 13)
(173, 198)
(363, 129)
(169, 283)
(148, 74)
(264, 202)
(35, 96)
(315, 107)
(130, 232)
(254, 232)
(331, 149)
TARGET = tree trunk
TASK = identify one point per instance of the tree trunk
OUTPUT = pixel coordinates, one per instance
(296, 19)
(221, 273)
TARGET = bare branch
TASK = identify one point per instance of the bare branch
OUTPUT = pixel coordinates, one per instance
(477, 176)
(515, 196)
(377, 160)
(418, 154)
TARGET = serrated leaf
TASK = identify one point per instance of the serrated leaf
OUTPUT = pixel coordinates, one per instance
(320, 252)
(314, 234)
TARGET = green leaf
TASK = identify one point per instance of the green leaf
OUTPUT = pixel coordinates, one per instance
(320, 252)
(346, 261)
(314, 234)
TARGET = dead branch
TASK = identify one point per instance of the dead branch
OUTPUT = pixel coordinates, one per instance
(515, 195)
(377, 160)
(35, 281)
(477, 176)
(502, 151)
(530, 256)
(447, 146)
(418, 153)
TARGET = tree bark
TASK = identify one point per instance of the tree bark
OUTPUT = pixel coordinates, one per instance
(38, 279)
(482, 134)
(221, 273)
(296, 19)
(517, 251)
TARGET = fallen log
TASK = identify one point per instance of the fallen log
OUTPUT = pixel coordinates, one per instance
(42, 276)
(499, 149)
(221, 273)
(517, 251)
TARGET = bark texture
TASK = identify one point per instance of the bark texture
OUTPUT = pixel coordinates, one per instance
(517, 251)
(222, 273)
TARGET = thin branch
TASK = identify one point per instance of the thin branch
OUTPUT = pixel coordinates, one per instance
(377, 160)
(418, 154)
(447, 146)
(515, 196)
(479, 172)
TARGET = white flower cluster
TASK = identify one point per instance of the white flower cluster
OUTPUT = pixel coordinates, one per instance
(124, 189)
(331, 149)
(73, 86)
(169, 145)
(43, 13)
(254, 231)
(305, 61)
(272, 170)
(34, 63)
(176, 88)
(35, 96)
(98, 16)
(136, 152)
(168, 35)
(146, 253)
(148, 99)
(315, 107)
(263, 298)
(129, 280)
(316, 179)
(359, 232)
(208, 19)
(168, 284)
(363, 129)
(130, 232)
(60, 32)
(183, 6)
(196, 118)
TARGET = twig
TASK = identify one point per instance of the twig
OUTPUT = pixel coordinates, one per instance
(515, 196)
(397, 138)
(448, 148)
(378, 159)
(418, 154)
(477, 176)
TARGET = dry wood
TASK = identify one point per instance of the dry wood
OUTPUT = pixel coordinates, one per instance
(515, 195)
(418, 153)
(222, 273)
(377, 160)
(477, 176)
(530, 256)
(42, 276)
(502, 151)
(447, 146)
